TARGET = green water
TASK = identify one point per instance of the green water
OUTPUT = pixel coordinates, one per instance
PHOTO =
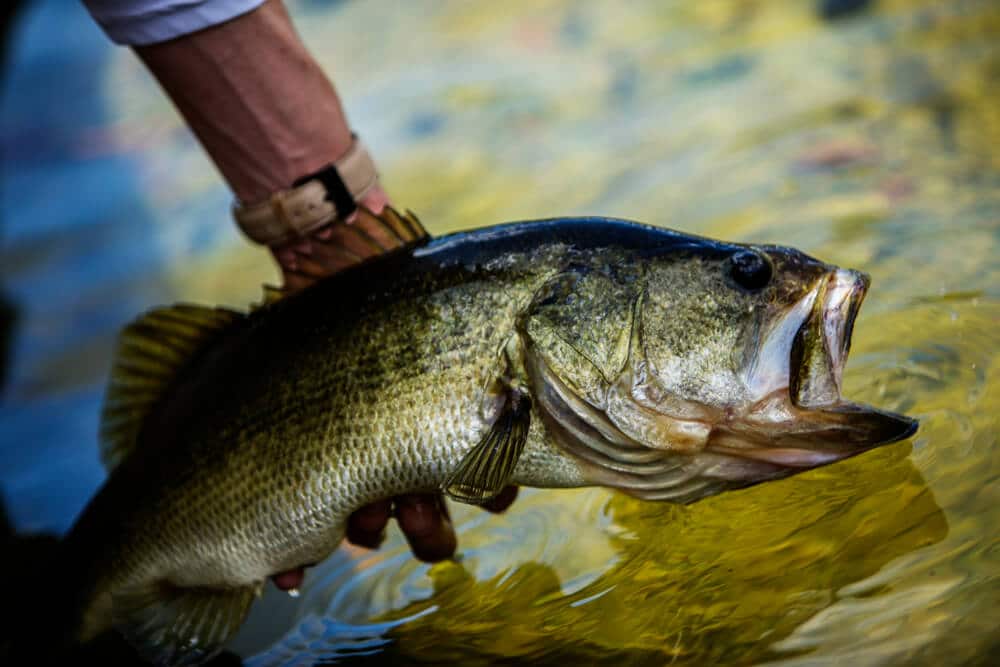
(872, 142)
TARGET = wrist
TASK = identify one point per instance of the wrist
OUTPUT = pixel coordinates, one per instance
(331, 193)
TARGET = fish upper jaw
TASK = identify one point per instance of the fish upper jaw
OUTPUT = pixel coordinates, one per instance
(819, 349)
(846, 292)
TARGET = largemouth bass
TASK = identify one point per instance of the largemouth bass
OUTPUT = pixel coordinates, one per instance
(554, 353)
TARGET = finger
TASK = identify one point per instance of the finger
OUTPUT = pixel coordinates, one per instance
(334, 257)
(289, 580)
(424, 520)
(361, 245)
(501, 501)
(366, 527)
(312, 267)
(375, 200)
(285, 256)
(377, 231)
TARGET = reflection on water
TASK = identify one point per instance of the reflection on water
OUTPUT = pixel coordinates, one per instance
(703, 584)
(869, 142)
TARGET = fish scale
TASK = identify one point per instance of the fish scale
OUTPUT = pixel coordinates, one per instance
(355, 437)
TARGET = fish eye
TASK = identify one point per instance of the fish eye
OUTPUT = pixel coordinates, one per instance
(750, 269)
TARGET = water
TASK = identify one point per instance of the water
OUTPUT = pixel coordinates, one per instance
(870, 141)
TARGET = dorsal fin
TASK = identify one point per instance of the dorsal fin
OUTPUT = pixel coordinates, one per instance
(151, 350)
(343, 245)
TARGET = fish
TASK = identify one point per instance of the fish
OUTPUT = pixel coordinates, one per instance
(554, 353)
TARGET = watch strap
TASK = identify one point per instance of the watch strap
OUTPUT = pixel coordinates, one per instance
(314, 200)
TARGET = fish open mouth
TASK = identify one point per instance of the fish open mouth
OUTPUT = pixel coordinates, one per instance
(812, 424)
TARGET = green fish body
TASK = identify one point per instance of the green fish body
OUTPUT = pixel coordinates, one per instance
(557, 353)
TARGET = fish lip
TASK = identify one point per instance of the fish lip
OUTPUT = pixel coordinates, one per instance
(913, 425)
(855, 286)
(831, 321)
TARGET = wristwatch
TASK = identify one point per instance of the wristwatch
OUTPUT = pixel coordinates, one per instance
(313, 201)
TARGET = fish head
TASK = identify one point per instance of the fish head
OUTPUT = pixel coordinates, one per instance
(726, 371)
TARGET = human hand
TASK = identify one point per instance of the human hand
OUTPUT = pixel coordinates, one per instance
(304, 261)
(423, 518)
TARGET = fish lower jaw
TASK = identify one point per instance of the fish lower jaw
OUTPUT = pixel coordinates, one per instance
(784, 457)
(765, 433)
(795, 437)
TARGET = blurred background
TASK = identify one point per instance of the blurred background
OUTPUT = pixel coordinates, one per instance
(865, 133)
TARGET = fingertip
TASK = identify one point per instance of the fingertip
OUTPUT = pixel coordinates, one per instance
(425, 523)
(290, 579)
(501, 501)
(366, 526)
(418, 515)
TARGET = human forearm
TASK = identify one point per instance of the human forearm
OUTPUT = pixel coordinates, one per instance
(260, 105)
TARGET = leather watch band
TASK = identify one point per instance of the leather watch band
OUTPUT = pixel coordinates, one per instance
(297, 211)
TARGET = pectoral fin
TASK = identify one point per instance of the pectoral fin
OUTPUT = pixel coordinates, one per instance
(180, 626)
(485, 470)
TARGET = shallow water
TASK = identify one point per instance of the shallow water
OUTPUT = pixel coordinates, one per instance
(871, 142)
